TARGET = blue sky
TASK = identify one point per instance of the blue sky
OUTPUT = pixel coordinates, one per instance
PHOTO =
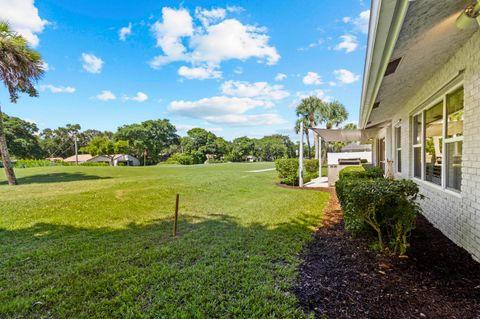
(236, 68)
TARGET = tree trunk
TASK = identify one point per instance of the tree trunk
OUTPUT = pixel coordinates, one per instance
(308, 144)
(7, 164)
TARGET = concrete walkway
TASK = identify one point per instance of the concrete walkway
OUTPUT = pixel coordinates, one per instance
(262, 170)
(318, 182)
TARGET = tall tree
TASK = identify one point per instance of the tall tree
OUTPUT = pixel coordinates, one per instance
(309, 110)
(21, 138)
(333, 114)
(157, 136)
(60, 142)
(20, 68)
(305, 131)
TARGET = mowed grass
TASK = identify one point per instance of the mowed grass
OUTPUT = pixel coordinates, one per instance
(90, 242)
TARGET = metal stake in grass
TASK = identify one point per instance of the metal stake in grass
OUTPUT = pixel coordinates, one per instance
(176, 217)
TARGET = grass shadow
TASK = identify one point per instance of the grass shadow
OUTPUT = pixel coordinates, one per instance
(55, 178)
(217, 267)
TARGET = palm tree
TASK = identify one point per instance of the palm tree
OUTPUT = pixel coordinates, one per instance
(334, 115)
(308, 111)
(20, 68)
(305, 131)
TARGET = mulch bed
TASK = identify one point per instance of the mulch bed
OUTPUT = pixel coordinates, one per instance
(341, 278)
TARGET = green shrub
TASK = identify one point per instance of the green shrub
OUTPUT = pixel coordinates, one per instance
(288, 168)
(38, 163)
(311, 168)
(373, 172)
(182, 159)
(388, 208)
(352, 171)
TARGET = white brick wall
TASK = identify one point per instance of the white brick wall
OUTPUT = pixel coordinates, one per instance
(457, 216)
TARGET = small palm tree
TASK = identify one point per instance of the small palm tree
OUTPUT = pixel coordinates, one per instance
(305, 131)
(333, 114)
(308, 111)
(20, 68)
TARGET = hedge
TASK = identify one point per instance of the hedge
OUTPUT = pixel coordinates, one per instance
(288, 168)
(382, 207)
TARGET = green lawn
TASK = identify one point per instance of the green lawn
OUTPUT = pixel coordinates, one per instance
(96, 242)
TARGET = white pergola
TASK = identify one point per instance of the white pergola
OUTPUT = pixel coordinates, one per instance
(332, 135)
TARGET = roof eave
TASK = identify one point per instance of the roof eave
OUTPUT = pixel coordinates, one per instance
(386, 19)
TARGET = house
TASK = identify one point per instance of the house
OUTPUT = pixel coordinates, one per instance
(421, 106)
(118, 159)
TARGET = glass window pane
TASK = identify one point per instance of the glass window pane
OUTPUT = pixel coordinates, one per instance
(398, 137)
(433, 144)
(417, 162)
(417, 129)
(399, 161)
(454, 164)
(455, 113)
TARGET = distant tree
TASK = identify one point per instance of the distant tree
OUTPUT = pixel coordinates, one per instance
(350, 126)
(60, 142)
(20, 68)
(270, 148)
(200, 142)
(100, 145)
(157, 136)
(241, 148)
(22, 139)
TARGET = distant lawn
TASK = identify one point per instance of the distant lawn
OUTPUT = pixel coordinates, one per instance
(96, 242)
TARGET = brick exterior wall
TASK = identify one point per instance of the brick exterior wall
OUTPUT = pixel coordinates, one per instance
(456, 215)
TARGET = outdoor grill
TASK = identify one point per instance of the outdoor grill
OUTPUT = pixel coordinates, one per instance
(334, 169)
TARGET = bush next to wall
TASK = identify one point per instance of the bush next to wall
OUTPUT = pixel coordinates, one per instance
(383, 207)
(38, 163)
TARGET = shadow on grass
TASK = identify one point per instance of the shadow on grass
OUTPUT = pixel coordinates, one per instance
(55, 178)
(216, 267)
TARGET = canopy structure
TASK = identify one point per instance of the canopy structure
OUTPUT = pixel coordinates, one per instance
(345, 135)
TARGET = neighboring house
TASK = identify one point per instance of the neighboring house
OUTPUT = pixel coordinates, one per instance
(421, 95)
(118, 159)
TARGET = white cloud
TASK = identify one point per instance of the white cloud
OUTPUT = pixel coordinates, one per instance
(226, 110)
(105, 96)
(345, 76)
(312, 78)
(216, 40)
(23, 17)
(360, 23)
(246, 120)
(280, 77)
(200, 73)
(312, 45)
(261, 90)
(230, 39)
(169, 33)
(207, 17)
(91, 63)
(139, 97)
(349, 43)
(124, 32)
(57, 89)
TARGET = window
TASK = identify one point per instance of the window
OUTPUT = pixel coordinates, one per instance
(454, 139)
(398, 148)
(417, 146)
(437, 134)
(433, 143)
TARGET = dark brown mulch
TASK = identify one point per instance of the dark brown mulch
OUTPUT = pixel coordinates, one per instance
(341, 278)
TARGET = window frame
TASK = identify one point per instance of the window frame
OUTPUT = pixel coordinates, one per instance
(443, 99)
(397, 133)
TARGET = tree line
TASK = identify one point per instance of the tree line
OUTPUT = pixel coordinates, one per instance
(158, 139)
